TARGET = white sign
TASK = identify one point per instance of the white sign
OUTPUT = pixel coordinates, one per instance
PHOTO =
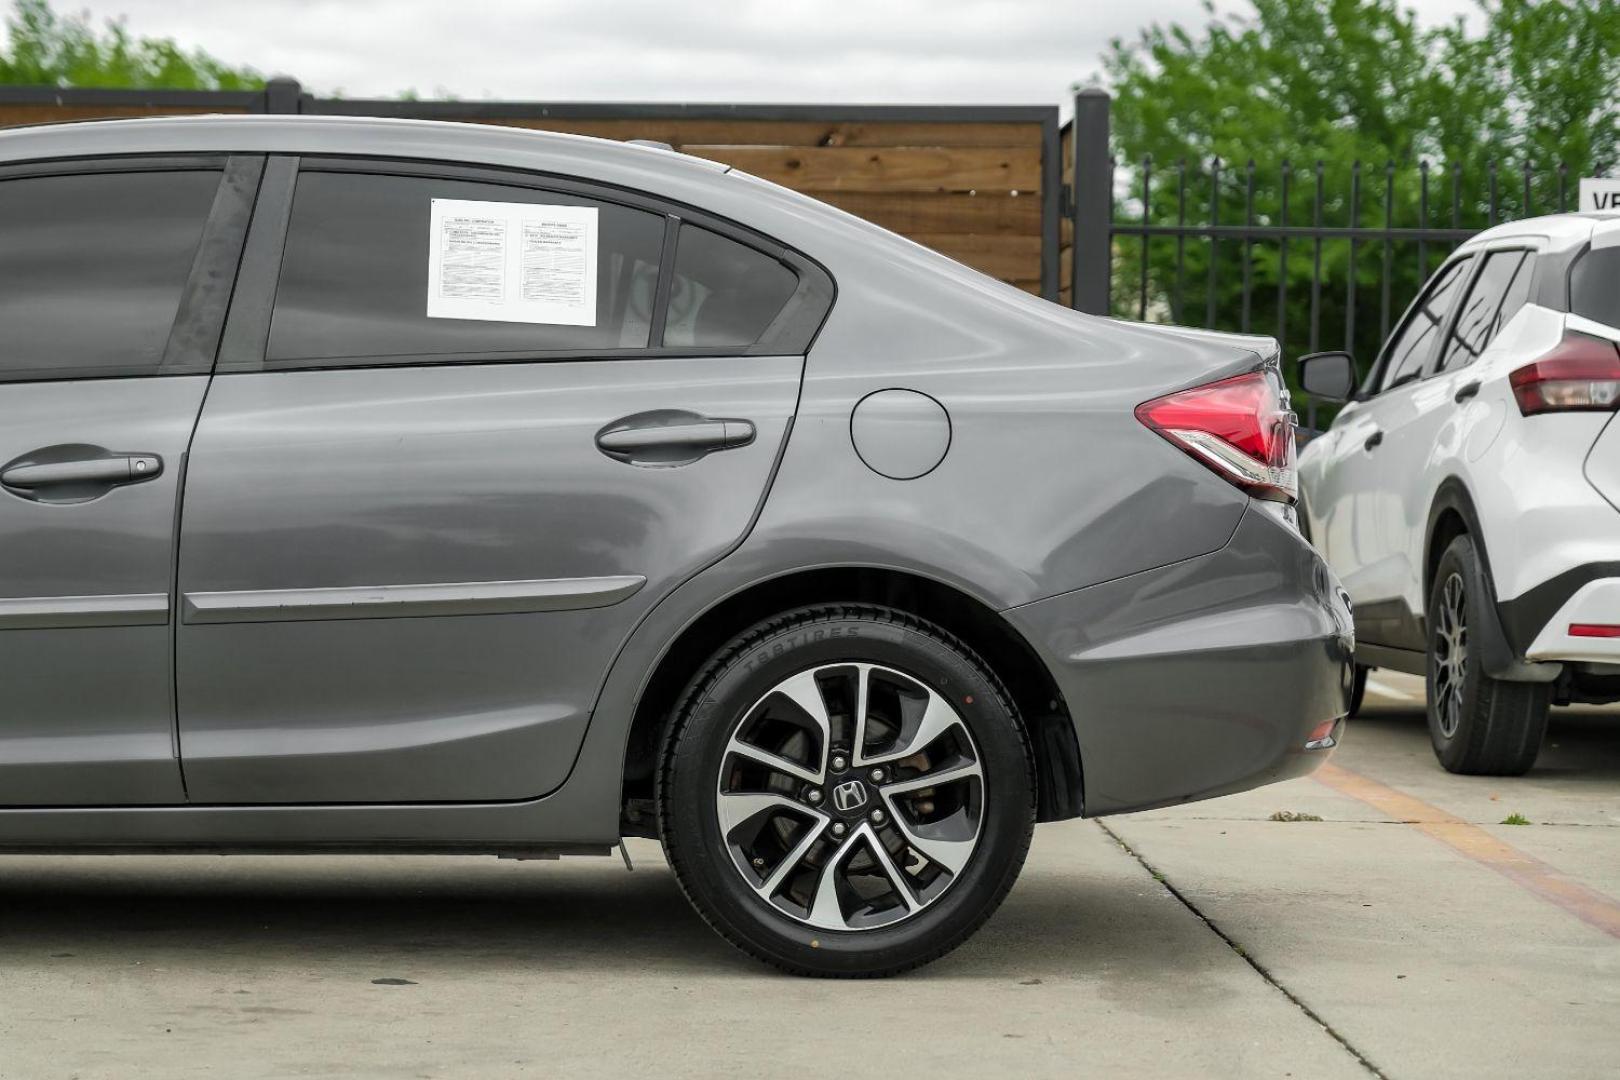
(512, 262)
(1598, 193)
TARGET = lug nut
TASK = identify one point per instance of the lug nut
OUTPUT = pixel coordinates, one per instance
(759, 864)
(838, 763)
(813, 796)
(877, 776)
(877, 817)
(839, 828)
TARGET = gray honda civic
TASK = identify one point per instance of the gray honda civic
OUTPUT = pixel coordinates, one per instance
(389, 486)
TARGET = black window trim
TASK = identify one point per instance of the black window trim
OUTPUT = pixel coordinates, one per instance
(115, 163)
(205, 296)
(791, 333)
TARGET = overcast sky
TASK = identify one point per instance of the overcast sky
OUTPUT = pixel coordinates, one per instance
(1000, 51)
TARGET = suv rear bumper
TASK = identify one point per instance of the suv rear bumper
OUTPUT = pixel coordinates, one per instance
(1588, 594)
(1204, 677)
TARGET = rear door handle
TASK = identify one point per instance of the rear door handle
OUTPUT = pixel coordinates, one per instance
(1373, 440)
(1466, 391)
(708, 435)
(671, 438)
(100, 471)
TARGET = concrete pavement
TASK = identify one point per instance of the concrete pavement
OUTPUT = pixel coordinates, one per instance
(1436, 943)
(1353, 946)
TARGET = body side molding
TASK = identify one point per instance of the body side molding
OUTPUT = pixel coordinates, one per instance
(48, 612)
(408, 601)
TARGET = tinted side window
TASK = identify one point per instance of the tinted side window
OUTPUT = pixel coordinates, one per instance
(92, 268)
(1594, 286)
(1482, 313)
(725, 294)
(354, 277)
(1517, 295)
(1413, 343)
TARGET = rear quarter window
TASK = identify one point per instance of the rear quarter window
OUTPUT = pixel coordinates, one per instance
(725, 295)
(1594, 286)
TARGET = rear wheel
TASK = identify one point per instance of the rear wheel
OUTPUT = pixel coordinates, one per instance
(1478, 725)
(1358, 688)
(846, 791)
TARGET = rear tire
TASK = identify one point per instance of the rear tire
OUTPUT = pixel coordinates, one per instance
(777, 791)
(1358, 689)
(1479, 726)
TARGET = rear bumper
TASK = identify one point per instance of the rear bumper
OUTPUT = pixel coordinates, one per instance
(1591, 596)
(1204, 677)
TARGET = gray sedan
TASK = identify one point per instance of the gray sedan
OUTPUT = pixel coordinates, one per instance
(381, 486)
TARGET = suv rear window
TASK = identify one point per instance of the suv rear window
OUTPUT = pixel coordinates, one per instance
(1594, 286)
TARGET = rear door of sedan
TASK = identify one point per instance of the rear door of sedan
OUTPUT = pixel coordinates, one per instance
(114, 280)
(467, 427)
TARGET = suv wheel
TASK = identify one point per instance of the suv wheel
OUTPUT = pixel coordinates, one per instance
(1358, 689)
(846, 791)
(1478, 725)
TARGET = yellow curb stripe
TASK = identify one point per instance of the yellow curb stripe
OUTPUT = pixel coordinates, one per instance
(1596, 909)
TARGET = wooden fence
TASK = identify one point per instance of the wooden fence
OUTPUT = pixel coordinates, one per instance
(979, 183)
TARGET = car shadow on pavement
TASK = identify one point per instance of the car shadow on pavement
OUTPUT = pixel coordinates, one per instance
(1582, 745)
(448, 917)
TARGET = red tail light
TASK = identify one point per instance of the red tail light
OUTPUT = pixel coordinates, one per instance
(1240, 427)
(1580, 374)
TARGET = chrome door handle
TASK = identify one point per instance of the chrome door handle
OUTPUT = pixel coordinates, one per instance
(101, 470)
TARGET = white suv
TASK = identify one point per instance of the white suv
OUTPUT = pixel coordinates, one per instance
(1467, 493)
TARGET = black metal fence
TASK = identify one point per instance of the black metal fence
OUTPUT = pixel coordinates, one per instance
(1317, 257)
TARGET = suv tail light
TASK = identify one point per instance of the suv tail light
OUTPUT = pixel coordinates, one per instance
(1580, 374)
(1240, 427)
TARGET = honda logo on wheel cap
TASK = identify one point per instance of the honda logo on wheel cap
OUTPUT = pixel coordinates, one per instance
(849, 795)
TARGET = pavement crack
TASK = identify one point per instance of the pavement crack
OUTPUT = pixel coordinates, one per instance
(1243, 954)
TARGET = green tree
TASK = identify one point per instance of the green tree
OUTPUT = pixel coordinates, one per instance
(1360, 91)
(48, 49)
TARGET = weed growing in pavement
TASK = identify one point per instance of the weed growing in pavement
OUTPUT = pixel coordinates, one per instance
(1515, 819)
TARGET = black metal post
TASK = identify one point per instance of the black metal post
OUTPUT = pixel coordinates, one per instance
(1093, 190)
(1248, 249)
(1180, 305)
(1147, 219)
(1051, 204)
(1389, 250)
(1282, 260)
(1423, 221)
(1316, 265)
(1350, 283)
(282, 95)
(1214, 240)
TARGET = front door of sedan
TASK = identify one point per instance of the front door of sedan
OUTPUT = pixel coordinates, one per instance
(416, 533)
(114, 277)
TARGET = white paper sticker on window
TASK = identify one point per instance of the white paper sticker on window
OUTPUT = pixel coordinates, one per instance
(512, 262)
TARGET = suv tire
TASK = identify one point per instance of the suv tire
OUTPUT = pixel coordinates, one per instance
(1478, 725)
